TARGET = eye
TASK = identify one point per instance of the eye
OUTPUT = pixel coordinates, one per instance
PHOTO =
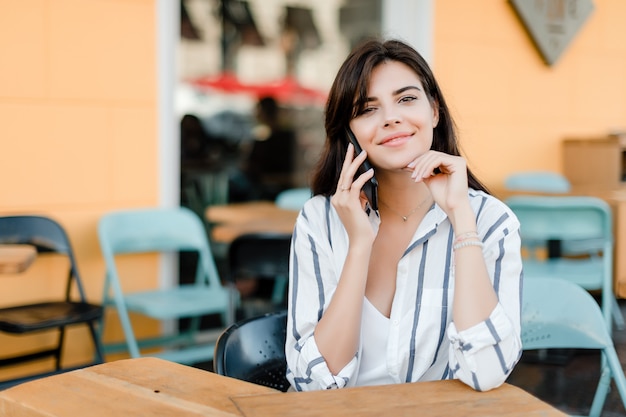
(407, 99)
(366, 110)
(369, 109)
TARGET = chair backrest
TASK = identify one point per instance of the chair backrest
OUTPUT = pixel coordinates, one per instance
(293, 198)
(157, 230)
(552, 225)
(42, 232)
(45, 234)
(560, 314)
(253, 350)
(260, 254)
(563, 218)
(538, 181)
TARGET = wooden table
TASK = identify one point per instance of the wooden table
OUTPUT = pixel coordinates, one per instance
(16, 258)
(150, 387)
(131, 387)
(232, 220)
(426, 399)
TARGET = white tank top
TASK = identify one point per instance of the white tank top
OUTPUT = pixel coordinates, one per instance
(374, 334)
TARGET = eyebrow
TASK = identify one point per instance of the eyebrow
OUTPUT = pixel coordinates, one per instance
(398, 91)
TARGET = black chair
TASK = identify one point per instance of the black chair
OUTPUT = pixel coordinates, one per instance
(72, 308)
(265, 258)
(253, 350)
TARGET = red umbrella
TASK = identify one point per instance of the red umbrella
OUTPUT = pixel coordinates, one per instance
(287, 90)
(226, 82)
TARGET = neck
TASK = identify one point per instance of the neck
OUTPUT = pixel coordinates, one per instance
(405, 216)
(402, 195)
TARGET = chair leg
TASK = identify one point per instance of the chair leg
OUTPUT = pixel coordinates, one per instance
(235, 302)
(59, 349)
(601, 392)
(119, 304)
(107, 303)
(98, 349)
(127, 327)
(617, 372)
(617, 315)
(278, 293)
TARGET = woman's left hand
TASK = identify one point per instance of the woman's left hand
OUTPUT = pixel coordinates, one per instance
(445, 176)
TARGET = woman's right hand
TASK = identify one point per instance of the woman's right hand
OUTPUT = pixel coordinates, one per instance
(349, 200)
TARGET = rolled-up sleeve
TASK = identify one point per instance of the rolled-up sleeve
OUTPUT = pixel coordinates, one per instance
(484, 355)
(313, 277)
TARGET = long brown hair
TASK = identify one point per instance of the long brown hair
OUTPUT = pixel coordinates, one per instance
(348, 95)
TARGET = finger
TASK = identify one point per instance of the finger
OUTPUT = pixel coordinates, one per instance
(357, 184)
(342, 183)
(360, 181)
(429, 165)
(363, 199)
(349, 169)
(360, 158)
(349, 157)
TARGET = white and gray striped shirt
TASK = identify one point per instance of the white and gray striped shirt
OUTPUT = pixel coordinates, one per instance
(423, 342)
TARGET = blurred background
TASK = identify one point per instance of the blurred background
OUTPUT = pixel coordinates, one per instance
(115, 104)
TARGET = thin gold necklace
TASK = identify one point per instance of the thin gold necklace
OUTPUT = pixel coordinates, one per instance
(405, 218)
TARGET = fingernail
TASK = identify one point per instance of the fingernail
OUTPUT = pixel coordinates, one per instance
(411, 165)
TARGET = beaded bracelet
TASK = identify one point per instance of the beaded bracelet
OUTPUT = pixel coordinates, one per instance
(466, 243)
(465, 236)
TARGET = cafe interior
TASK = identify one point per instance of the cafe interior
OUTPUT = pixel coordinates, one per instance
(161, 150)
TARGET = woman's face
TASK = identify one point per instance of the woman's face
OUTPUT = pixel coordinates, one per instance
(397, 123)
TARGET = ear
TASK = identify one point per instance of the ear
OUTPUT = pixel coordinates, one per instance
(435, 107)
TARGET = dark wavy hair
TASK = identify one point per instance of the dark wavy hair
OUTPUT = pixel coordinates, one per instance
(348, 95)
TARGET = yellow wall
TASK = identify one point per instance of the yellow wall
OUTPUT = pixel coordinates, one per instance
(78, 105)
(512, 109)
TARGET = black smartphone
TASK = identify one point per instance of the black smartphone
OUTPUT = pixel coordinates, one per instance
(371, 186)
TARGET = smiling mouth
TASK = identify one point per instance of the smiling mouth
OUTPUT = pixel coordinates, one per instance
(394, 139)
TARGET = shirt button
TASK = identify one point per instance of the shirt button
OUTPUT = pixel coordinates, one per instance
(395, 322)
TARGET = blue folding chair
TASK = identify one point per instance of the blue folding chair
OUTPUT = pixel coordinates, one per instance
(548, 182)
(558, 314)
(161, 231)
(569, 219)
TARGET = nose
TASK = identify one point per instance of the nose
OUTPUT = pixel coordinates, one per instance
(391, 120)
(391, 117)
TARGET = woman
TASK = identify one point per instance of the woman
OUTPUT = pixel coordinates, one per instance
(428, 286)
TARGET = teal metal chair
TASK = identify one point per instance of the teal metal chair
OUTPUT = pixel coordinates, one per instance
(558, 314)
(293, 198)
(569, 219)
(548, 182)
(157, 230)
(538, 181)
